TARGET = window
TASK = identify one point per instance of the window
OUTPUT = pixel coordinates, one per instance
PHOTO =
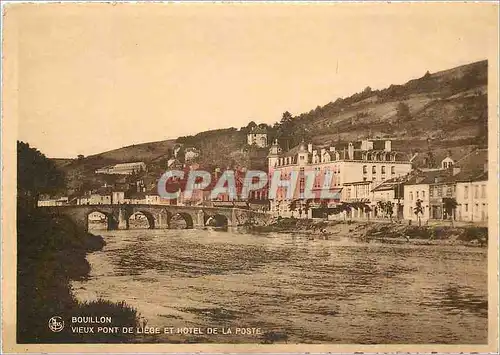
(374, 169)
(466, 192)
(301, 157)
(448, 191)
(364, 179)
(476, 191)
(365, 169)
(417, 195)
(466, 207)
(431, 190)
(439, 191)
(383, 169)
(483, 191)
(411, 196)
(423, 194)
(393, 170)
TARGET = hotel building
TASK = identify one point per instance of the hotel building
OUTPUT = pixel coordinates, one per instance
(361, 162)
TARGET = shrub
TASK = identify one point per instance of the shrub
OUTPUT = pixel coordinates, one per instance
(470, 234)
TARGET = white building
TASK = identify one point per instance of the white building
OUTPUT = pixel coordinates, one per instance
(123, 168)
(61, 201)
(472, 197)
(363, 162)
(190, 154)
(391, 190)
(94, 199)
(257, 136)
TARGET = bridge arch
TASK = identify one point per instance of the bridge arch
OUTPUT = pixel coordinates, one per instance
(216, 220)
(111, 222)
(186, 217)
(149, 217)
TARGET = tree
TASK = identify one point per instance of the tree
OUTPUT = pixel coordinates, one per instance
(449, 207)
(286, 118)
(367, 209)
(251, 126)
(346, 208)
(36, 174)
(389, 209)
(307, 206)
(418, 210)
(292, 206)
(403, 111)
(381, 207)
(80, 156)
(323, 207)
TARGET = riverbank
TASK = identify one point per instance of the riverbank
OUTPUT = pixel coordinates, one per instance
(51, 253)
(368, 231)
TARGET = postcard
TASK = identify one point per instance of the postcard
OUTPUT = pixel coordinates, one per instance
(244, 177)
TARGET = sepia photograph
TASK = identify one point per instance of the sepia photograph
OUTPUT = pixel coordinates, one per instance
(249, 177)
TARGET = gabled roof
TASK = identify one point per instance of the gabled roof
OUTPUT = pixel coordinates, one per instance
(471, 176)
(429, 177)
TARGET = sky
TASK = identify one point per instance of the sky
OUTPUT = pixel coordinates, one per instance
(95, 77)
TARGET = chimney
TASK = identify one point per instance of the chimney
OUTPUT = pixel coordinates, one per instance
(350, 151)
(388, 146)
(310, 147)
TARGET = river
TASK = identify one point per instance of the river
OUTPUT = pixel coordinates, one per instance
(292, 288)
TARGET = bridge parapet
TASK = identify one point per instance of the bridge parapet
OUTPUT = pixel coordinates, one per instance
(158, 216)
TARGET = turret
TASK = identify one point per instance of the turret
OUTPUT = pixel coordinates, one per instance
(274, 152)
(303, 154)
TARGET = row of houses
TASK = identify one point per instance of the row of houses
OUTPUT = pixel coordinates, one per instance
(368, 175)
(365, 175)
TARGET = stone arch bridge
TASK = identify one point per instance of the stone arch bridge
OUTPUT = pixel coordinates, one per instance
(158, 216)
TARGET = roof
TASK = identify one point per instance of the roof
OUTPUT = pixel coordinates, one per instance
(358, 183)
(429, 177)
(391, 183)
(474, 160)
(129, 164)
(343, 153)
(422, 159)
(470, 176)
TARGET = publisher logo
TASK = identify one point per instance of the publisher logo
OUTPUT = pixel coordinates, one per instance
(56, 324)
